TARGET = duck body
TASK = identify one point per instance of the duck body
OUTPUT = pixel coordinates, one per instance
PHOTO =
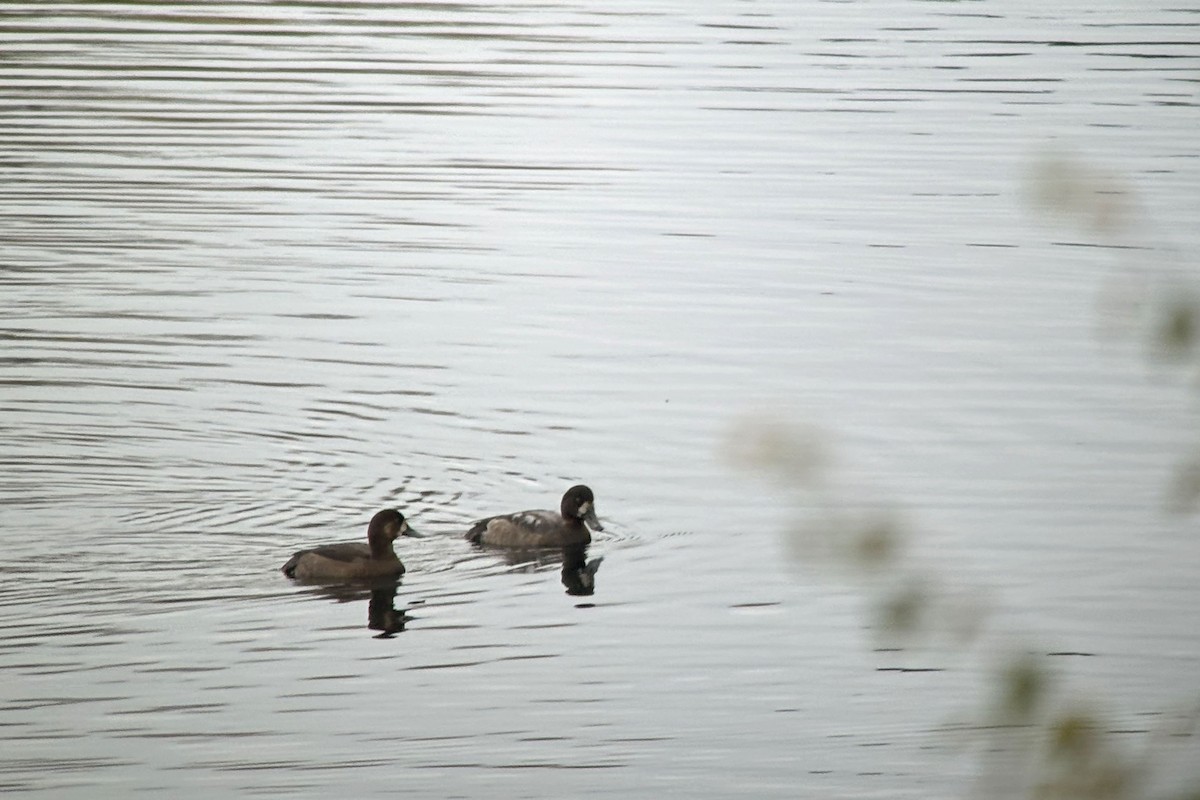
(537, 529)
(375, 559)
(344, 561)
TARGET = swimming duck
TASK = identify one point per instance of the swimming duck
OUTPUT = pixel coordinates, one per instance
(355, 561)
(531, 529)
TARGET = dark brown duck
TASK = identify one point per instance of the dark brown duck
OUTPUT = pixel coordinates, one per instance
(355, 561)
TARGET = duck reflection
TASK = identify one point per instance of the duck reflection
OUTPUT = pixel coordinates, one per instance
(579, 574)
(382, 614)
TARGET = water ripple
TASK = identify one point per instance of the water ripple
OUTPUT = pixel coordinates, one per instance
(270, 268)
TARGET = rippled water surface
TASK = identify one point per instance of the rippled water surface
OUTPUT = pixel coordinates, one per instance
(267, 268)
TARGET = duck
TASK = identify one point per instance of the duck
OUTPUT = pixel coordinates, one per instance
(533, 529)
(355, 561)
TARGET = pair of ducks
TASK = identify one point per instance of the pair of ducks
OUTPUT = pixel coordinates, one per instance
(355, 561)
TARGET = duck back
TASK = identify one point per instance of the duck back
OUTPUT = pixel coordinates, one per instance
(343, 561)
(529, 529)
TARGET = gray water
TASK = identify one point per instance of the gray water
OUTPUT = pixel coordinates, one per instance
(268, 268)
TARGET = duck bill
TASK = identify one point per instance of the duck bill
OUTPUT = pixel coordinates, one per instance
(408, 531)
(592, 521)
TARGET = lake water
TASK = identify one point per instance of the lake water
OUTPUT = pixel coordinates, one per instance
(268, 268)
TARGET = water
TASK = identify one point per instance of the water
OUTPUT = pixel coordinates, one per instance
(268, 268)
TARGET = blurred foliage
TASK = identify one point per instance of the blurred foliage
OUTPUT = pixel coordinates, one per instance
(1063, 185)
(1185, 488)
(795, 456)
(1022, 688)
(1037, 742)
(1177, 334)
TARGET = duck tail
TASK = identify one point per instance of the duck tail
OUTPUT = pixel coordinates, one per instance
(289, 568)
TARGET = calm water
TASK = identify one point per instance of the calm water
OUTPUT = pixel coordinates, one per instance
(267, 268)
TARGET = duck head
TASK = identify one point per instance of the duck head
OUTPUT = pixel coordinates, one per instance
(579, 503)
(385, 527)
